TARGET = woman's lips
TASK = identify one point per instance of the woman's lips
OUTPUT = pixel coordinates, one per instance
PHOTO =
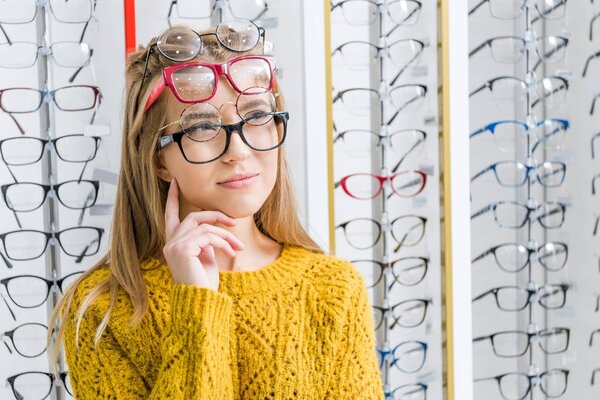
(239, 184)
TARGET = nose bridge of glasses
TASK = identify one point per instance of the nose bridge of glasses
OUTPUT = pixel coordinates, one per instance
(229, 113)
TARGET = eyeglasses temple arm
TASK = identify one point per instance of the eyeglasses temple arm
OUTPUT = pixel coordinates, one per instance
(543, 15)
(596, 97)
(417, 143)
(482, 295)
(478, 48)
(587, 63)
(478, 132)
(592, 336)
(17, 123)
(482, 211)
(148, 51)
(594, 18)
(476, 7)
(16, 216)
(483, 255)
(6, 344)
(8, 306)
(5, 35)
(479, 89)
(72, 78)
(594, 183)
(596, 136)
(483, 171)
(6, 261)
(155, 92)
(82, 171)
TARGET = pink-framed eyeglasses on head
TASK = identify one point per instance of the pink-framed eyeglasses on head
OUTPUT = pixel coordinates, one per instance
(194, 82)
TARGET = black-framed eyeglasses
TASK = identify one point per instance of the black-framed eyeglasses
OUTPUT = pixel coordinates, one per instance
(408, 356)
(517, 385)
(31, 291)
(406, 314)
(29, 196)
(29, 244)
(406, 271)
(28, 340)
(512, 173)
(510, 344)
(511, 9)
(240, 9)
(510, 49)
(247, 132)
(405, 142)
(506, 90)
(37, 384)
(409, 391)
(514, 257)
(404, 98)
(359, 55)
(180, 44)
(517, 298)
(19, 151)
(400, 12)
(201, 139)
(364, 233)
(514, 214)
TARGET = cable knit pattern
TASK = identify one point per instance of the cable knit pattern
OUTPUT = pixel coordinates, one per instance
(301, 327)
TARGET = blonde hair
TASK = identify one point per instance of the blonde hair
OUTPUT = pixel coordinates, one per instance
(138, 226)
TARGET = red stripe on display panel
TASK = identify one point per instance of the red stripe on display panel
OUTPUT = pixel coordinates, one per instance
(129, 9)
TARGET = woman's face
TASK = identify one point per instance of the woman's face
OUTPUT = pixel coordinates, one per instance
(199, 183)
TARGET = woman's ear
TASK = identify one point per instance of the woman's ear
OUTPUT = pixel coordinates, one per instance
(161, 169)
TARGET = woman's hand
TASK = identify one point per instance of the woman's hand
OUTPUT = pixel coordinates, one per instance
(189, 251)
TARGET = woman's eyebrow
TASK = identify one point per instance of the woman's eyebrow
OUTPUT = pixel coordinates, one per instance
(253, 104)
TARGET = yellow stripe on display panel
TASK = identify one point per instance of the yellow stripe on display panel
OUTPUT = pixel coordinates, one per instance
(458, 373)
(446, 216)
(329, 113)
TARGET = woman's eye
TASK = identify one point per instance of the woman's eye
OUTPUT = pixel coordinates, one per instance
(256, 116)
(204, 126)
(203, 131)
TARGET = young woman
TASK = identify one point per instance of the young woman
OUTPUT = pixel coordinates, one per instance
(211, 289)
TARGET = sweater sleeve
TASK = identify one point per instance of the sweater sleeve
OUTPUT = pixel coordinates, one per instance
(356, 371)
(195, 353)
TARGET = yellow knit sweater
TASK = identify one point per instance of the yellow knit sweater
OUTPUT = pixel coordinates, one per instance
(301, 327)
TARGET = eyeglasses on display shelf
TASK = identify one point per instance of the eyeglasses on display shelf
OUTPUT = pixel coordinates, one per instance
(37, 384)
(382, 101)
(239, 9)
(28, 339)
(23, 151)
(31, 291)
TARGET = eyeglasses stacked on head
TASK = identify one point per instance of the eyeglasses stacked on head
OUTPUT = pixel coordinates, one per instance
(203, 136)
